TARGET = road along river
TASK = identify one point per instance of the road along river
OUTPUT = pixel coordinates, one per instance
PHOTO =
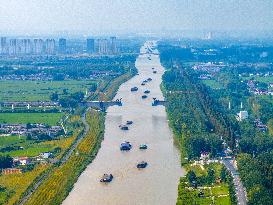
(157, 183)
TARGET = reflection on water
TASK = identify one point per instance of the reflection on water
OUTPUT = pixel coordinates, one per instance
(157, 184)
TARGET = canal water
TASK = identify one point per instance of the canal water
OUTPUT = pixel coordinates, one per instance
(156, 184)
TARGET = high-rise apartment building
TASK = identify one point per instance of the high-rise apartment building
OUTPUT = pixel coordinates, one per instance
(38, 46)
(102, 46)
(13, 47)
(62, 45)
(25, 46)
(113, 45)
(50, 46)
(90, 45)
(4, 46)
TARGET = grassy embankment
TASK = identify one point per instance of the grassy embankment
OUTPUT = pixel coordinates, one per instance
(188, 115)
(60, 182)
(16, 184)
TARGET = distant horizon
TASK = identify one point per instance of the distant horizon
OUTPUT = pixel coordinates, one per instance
(182, 33)
(101, 17)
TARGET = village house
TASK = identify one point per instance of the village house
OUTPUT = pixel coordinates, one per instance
(11, 171)
(21, 161)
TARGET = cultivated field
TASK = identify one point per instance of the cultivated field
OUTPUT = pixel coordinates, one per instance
(46, 118)
(13, 90)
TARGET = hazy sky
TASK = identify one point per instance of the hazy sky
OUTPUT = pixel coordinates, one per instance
(132, 15)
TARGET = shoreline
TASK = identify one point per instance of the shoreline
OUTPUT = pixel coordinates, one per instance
(110, 95)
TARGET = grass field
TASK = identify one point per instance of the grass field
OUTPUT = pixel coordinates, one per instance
(264, 79)
(213, 84)
(12, 90)
(32, 148)
(217, 193)
(46, 118)
(60, 181)
(11, 140)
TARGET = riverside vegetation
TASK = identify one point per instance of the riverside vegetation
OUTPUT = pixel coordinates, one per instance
(200, 114)
(68, 92)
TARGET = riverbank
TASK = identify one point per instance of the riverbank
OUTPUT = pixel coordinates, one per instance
(61, 179)
(197, 126)
(149, 126)
(85, 151)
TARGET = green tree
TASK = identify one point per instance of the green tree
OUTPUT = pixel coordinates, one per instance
(5, 162)
(211, 176)
(191, 176)
(223, 174)
(54, 96)
(270, 126)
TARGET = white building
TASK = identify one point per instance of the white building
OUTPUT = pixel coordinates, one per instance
(4, 46)
(242, 115)
(102, 46)
(50, 46)
(38, 46)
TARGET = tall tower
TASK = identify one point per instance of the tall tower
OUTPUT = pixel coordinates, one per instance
(25, 46)
(103, 46)
(4, 46)
(90, 45)
(13, 47)
(113, 45)
(62, 45)
(38, 47)
(50, 46)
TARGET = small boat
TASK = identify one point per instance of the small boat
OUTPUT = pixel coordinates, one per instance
(129, 122)
(134, 89)
(107, 178)
(144, 96)
(142, 83)
(147, 91)
(142, 165)
(143, 146)
(125, 146)
(154, 71)
(124, 127)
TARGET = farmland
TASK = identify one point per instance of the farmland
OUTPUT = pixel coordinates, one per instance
(60, 181)
(11, 140)
(46, 118)
(31, 148)
(14, 90)
(213, 84)
(16, 184)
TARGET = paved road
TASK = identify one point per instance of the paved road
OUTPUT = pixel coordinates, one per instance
(239, 188)
(78, 140)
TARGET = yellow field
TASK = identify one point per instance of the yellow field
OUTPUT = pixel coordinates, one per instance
(61, 179)
(20, 182)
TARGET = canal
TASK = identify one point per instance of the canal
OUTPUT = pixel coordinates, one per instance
(156, 184)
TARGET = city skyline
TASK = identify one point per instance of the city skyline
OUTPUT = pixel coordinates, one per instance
(50, 46)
